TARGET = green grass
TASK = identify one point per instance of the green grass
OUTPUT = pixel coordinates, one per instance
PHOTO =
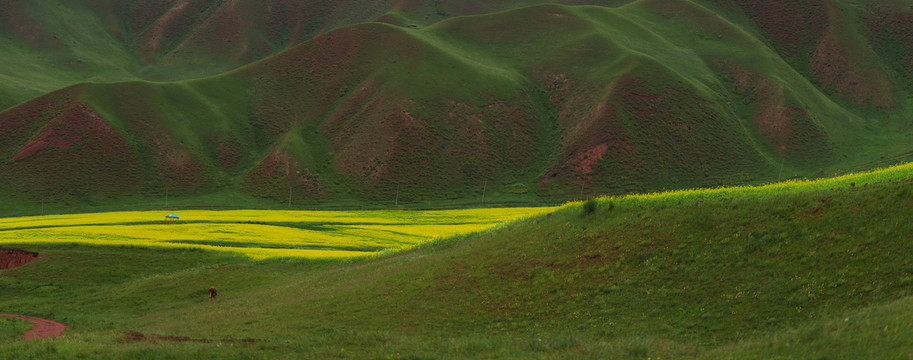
(880, 331)
(805, 270)
(11, 329)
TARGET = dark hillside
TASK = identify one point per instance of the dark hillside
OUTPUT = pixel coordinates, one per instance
(857, 52)
(541, 103)
(48, 45)
(91, 40)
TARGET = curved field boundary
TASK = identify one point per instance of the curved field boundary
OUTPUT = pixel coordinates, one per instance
(43, 328)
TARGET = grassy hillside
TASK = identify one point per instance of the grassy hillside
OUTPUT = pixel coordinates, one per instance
(840, 46)
(796, 270)
(537, 104)
(48, 45)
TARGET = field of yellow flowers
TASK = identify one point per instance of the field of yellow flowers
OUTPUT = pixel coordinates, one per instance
(259, 234)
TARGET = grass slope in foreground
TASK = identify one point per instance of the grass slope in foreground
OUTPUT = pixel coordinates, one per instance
(799, 270)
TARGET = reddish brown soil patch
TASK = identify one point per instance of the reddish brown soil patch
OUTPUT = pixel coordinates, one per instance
(22, 122)
(20, 24)
(584, 161)
(818, 209)
(81, 150)
(227, 150)
(891, 32)
(278, 173)
(43, 328)
(789, 25)
(10, 258)
(168, 28)
(778, 117)
(839, 62)
(135, 336)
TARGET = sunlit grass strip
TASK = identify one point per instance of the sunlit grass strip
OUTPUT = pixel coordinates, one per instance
(253, 253)
(859, 180)
(416, 231)
(241, 233)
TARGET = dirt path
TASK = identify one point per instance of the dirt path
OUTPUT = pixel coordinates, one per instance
(43, 328)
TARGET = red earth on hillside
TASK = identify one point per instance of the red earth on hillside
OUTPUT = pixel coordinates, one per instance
(11, 258)
(42, 328)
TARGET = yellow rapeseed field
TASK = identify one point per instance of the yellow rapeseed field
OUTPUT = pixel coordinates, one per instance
(260, 234)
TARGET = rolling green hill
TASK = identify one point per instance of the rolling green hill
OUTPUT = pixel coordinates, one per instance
(48, 45)
(792, 270)
(542, 103)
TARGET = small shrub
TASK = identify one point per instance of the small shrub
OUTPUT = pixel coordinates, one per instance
(589, 206)
(515, 188)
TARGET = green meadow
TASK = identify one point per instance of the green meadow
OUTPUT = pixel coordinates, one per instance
(11, 329)
(810, 269)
